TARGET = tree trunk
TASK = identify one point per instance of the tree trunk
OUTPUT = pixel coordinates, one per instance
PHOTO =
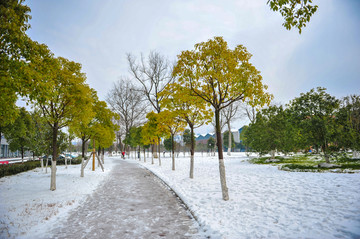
(155, 151)
(272, 153)
(326, 156)
(83, 142)
(82, 167)
(121, 146)
(47, 164)
(152, 154)
(159, 151)
(65, 162)
(224, 189)
(192, 151)
(22, 154)
(54, 157)
(103, 155)
(173, 151)
(229, 145)
(355, 154)
(139, 153)
(144, 155)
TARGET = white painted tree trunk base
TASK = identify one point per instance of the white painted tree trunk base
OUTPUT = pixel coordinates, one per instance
(356, 154)
(53, 176)
(224, 189)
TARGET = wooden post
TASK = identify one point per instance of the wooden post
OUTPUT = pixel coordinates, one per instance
(94, 152)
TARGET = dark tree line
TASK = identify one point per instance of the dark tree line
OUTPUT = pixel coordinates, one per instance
(315, 121)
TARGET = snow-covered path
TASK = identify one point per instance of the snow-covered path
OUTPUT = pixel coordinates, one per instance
(130, 203)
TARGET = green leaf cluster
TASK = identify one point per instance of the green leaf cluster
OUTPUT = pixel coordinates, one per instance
(313, 121)
(296, 13)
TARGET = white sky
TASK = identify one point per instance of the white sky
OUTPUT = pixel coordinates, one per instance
(98, 34)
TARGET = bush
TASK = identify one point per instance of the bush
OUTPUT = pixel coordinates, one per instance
(62, 161)
(15, 168)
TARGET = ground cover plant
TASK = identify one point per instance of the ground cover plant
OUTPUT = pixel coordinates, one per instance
(340, 163)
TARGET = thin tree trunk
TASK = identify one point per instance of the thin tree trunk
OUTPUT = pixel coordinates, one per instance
(224, 189)
(47, 164)
(192, 149)
(229, 146)
(159, 151)
(83, 147)
(22, 154)
(152, 154)
(144, 155)
(54, 157)
(155, 151)
(272, 153)
(82, 167)
(355, 154)
(65, 162)
(103, 155)
(173, 151)
(326, 156)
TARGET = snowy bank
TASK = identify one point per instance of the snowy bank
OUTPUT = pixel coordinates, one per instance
(264, 201)
(28, 207)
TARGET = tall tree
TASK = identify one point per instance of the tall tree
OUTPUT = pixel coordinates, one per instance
(187, 138)
(59, 90)
(220, 76)
(211, 144)
(315, 112)
(39, 142)
(154, 74)
(296, 13)
(229, 114)
(190, 109)
(15, 46)
(19, 133)
(273, 130)
(128, 102)
(171, 125)
(348, 119)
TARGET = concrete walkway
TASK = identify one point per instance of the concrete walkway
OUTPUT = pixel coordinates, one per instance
(131, 203)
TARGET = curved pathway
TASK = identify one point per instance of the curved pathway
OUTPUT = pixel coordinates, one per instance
(131, 203)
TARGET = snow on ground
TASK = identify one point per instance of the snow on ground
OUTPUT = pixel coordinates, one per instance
(27, 205)
(264, 201)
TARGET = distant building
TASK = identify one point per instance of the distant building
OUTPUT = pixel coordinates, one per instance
(203, 138)
(5, 151)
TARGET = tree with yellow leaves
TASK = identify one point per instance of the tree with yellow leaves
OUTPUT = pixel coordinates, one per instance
(220, 76)
(190, 109)
(170, 124)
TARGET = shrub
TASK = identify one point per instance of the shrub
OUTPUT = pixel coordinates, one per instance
(15, 168)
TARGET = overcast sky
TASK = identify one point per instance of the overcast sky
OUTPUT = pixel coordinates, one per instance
(98, 34)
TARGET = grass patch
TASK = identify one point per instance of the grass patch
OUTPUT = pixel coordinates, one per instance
(310, 162)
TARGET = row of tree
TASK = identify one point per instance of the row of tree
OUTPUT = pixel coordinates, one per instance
(54, 86)
(203, 84)
(314, 121)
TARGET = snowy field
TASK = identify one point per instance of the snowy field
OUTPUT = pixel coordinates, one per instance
(264, 201)
(28, 207)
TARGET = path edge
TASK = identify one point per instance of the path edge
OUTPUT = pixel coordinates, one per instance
(186, 207)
